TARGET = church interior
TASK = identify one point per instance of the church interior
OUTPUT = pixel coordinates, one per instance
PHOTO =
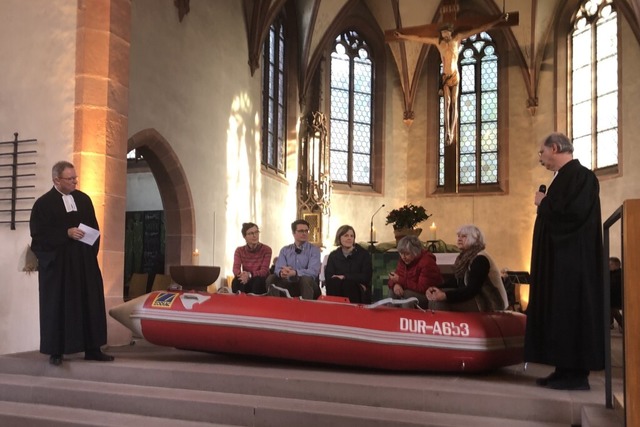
(196, 116)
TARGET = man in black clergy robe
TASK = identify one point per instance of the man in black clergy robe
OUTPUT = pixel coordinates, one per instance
(72, 311)
(565, 316)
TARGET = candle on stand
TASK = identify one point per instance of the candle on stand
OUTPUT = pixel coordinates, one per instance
(196, 257)
(433, 231)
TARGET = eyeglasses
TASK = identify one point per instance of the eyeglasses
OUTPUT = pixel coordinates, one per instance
(253, 233)
(71, 178)
(302, 231)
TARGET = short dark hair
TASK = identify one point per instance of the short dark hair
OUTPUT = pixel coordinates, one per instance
(246, 227)
(342, 231)
(561, 141)
(616, 261)
(59, 167)
(297, 222)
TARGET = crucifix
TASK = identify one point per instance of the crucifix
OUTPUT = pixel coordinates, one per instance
(447, 37)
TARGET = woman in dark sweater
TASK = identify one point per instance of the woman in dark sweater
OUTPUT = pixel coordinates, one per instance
(348, 271)
(476, 285)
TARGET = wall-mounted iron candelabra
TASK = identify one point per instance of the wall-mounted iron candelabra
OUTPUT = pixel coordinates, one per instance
(19, 167)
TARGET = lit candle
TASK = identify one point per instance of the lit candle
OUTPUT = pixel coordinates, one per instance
(196, 257)
(433, 231)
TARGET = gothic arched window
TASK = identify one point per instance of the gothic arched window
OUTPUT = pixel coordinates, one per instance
(273, 98)
(594, 83)
(352, 105)
(476, 161)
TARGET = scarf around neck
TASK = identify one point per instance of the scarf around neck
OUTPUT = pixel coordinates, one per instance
(462, 263)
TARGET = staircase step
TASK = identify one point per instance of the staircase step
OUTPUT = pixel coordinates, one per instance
(152, 381)
(600, 416)
(19, 414)
(68, 401)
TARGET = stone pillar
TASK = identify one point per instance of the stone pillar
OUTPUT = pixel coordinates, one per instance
(101, 127)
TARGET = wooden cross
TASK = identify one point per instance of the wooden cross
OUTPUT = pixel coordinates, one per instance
(447, 36)
(449, 12)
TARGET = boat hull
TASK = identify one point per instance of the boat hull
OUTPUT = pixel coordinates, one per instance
(327, 332)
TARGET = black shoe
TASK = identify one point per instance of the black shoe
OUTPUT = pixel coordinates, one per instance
(98, 355)
(55, 359)
(544, 381)
(569, 382)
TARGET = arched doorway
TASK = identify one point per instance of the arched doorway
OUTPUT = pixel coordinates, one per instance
(174, 192)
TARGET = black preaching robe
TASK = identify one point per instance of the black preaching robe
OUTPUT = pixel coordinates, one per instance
(72, 312)
(565, 316)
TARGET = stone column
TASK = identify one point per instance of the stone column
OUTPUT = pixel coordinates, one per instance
(101, 126)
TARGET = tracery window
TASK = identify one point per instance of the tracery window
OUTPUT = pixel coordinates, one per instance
(273, 98)
(477, 158)
(351, 110)
(594, 83)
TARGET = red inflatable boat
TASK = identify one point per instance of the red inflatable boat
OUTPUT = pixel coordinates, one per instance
(375, 336)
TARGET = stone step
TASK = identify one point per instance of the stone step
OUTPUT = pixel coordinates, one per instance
(19, 414)
(74, 399)
(245, 387)
(600, 416)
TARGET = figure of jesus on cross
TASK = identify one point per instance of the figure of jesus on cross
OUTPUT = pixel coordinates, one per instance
(448, 44)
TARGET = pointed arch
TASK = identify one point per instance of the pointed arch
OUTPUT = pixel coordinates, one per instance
(174, 192)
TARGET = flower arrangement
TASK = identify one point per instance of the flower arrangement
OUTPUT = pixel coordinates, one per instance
(407, 216)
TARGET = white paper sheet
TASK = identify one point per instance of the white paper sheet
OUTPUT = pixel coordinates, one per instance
(90, 234)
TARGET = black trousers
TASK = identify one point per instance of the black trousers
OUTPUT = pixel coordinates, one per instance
(255, 285)
(346, 288)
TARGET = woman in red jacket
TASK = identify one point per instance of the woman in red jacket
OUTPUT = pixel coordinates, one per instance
(416, 272)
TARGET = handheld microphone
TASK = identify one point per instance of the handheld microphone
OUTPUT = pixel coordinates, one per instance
(543, 189)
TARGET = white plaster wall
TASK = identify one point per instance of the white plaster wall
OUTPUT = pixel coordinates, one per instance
(190, 81)
(142, 192)
(37, 47)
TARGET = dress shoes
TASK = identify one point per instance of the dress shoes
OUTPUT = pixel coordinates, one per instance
(566, 380)
(569, 383)
(544, 381)
(55, 359)
(98, 356)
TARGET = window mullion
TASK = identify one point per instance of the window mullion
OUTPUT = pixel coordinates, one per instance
(478, 79)
(276, 99)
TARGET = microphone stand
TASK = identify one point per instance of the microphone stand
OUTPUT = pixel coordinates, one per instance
(372, 242)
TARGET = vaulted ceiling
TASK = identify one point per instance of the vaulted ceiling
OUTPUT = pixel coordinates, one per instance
(528, 41)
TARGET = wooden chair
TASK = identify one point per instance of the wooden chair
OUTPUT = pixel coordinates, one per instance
(137, 285)
(161, 282)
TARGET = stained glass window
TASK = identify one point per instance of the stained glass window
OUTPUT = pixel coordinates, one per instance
(477, 160)
(351, 110)
(273, 98)
(594, 82)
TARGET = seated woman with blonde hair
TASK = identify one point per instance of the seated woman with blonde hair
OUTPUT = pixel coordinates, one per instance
(476, 285)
